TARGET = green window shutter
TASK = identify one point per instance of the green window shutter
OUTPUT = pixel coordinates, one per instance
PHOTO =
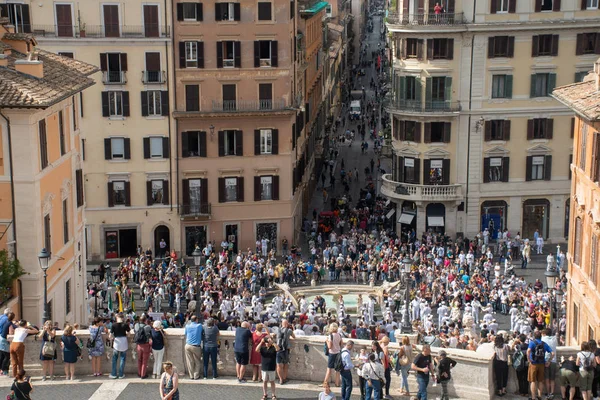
(578, 77)
(551, 83)
(418, 88)
(448, 89)
(532, 93)
(508, 86)
(428, 90)
(403, 88)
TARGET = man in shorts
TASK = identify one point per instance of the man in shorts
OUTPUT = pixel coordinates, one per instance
(241, 350)
(536, 354)
(283, 350)
(269, 355)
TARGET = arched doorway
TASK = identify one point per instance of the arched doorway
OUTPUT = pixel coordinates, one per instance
(436, 216)
(493, 216)
(536, 215)
(161, 233)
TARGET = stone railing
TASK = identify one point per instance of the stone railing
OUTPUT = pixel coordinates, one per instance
(395, 18)
(409, 191)
(472, 378)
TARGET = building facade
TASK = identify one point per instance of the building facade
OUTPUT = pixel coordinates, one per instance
(127, 131)
(41, 174)
(249, 95)
(478, 142)
(583, 296)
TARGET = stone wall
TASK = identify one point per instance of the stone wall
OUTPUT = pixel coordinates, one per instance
(472, 378)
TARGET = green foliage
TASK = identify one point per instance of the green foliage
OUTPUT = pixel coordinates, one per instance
(394, 5)
(10, 269)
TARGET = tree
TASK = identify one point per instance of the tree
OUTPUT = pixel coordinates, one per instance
(10, 269)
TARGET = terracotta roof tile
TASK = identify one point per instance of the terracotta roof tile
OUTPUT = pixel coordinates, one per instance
(581, 97)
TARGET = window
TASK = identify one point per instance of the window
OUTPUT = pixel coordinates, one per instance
(264, 11)
(18, 15)
(153, 72)
(266, 141)
(189, 11)
(540, 128)
(68, 54)
(195, 195)
(266, 187)
(156, 147)
(546, 5)
(192, 97)
(410, 172)
(117, 146)
(47, 233)
(67, 297)
(594, 259)
(115, 104)
(501, 6)
(497, 129)
(111, 20)
(119, 194)
(79, 187)
(410, 131)
(74, 113)
(438, 88)
(580, 76)
(265, 53)
(154, 102)
(413, 48)
(578, 237)
(502, 86)
(191, 54)
(542, 85)
(575, 317)
(495, 169)
(595, 172)
(156, 192)
(592, 4)
(231, 189)
(587, 43)
(411, 88)
(582, 146)
(229, 97)
(113, 67)
(193, 144)
(229, 53)
(435, 172)
(65, 215)
(544, 45)
(227, 11)
(438, 49)
(501, 46)
(265, 96)
(537, 170)
(43, 144)
(151, 23)
(437, 132)
(64, 20)
(229, 143)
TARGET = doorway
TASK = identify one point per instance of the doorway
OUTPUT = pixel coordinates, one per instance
(162, 232)
(194, 236)
(231, 234)
(408, 219)
(493, 217)
(127, 242)
(267, 231)
(536, 216)
(436, 215)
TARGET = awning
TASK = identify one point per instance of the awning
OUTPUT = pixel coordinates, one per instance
(390, 213)
(435, 221)
(406, 218)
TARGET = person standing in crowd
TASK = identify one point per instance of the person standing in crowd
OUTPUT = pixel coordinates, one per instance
(48, 335)
(17, 346)
(387, 365)
(211, 347)
(326, 394)
(520, 364)
(536, 355)
(334, 343)
(405, 358)
(268, 364)
(283, 336)
(193, 351)
(21, 387)
(257, 336)
(158, 347)
(569, 376)
(71, 351)
(346, 372)
(169, 382)
(5, 324)
(596, 380)
(423, 365)
(586, 361)
(143, 341)
(445, 364)
(551, 368)
(373, 373)
(118, 333)
(241, 350)
(96, 341)
(501, 350)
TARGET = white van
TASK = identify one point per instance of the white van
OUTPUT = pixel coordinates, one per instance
(355, 109)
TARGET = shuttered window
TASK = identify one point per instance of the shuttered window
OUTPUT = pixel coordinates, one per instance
(578, 234)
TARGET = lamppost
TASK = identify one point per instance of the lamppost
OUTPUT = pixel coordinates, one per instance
(407, 263)
(551, 276)
(197, 254)
(96, 274)
(43, 259)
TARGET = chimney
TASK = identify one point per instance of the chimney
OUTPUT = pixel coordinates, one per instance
(30, 66)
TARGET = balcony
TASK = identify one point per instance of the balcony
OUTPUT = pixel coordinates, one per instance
(101, 31)
(425, 19)
(114, 77)
(154, 77)
(195, 211)
(408, 191)
(417, 106)
(248, 105)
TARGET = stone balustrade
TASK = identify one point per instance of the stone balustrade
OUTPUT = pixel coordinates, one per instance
(409, 191)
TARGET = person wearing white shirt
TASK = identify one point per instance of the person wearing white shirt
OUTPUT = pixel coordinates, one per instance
(539, 242)
(372, 372)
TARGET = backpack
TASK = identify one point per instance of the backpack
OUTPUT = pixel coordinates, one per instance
(539, 353)
(141, 336)
(519, 361)
(338, 365)
(586, 362)
(325, 347)
(362, 333)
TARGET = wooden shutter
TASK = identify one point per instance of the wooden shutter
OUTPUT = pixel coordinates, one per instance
(547, 167)
(125, 104)
(103, 62)
(203, 145)
(256, 54)
(166, 199)
(505, 168)
(427, 136)
(421, 7)
(26, 22)
(166, 148)
(111, 198)
(123, 57)
(448, 88)
(528, 167)
(185, 192)
(406, 9)
(420, 45)
(240, 189)
(257, 188)
(179, 11)
(63, 20)
(446, 171)
(181, 54)
(164, 103)
(144, 101)
(221, 190)
(200, 54)
(538, 5)
(584, 4)
(275, 187)
(508, 86)
(535, 41)
(274, 54)
(426, 168)
(487, 131)
(486, 170)
(417, 174)
(429, 49)
(199, 12)
(491, 46)
(447, 131)
(398, 171)
(239, 143)
(275, 141)
(105, 107)
(512, 6)
(555, 39)
(236, 11)
(549, 128)
(401, 129)
(149, 199)
(506, 129)
(219, 53)
(237, 49)
(221, 143)
(218, 13)
(572, 127)
(204, 192)
(580, 44)
(127, 194)
(418, 132)
(493, 6)
(556, 5)
(185, 144)
(510, 49)
(257, 142)
(530, 129)
(532, 88)
(127, 145)
(107, 149)
(449, 49)
(146, 148)
(428, 91)
(151, 20)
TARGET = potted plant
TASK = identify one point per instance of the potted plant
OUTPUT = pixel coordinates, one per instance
(82, 30)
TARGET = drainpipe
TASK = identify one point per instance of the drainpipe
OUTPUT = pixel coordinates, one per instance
(12, 196)
(176, 149)
(470, 109)
(169, 116)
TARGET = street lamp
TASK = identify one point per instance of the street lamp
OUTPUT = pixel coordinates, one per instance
(407, 263)
(551, 276)
(96, 274)
(44, 258)
(197, 254)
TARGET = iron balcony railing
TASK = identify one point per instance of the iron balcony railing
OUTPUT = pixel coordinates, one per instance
(423, 106)
(248, 105)
(195, 210)
(102, 31)
(395, 18)
(114, 77)
(154, 77)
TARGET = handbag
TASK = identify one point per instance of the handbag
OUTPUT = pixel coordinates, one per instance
(90, 344)
(48, 349)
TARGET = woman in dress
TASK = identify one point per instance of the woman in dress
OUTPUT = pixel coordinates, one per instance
(255, 359)
(97, 331)
(169, 382)
(158, 347)
(48, 335)
(70, 348)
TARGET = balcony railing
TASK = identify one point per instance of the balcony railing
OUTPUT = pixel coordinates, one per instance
(195, 210)
(435, 106)
(408, 191)
(248, 105)
(114, 77)
(102, 31)
(426, 19)
(154, 77)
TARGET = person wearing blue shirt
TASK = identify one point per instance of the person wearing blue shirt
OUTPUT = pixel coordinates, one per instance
(536, 354)
(194, 333)
(5, 323)
(241, 350)
(346, 372)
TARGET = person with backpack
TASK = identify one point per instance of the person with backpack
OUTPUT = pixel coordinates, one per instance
(333, 346)
(344, 365)
(536, 354)
(283, 336)
(520, 364)
(444, 365)
(586, 361)
(569, 377)
(143, 340)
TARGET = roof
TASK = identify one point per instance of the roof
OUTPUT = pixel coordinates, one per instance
(315, 7)
(62, 78)
(582, 97)
(335, 27)
(334, 49)
(25, 37)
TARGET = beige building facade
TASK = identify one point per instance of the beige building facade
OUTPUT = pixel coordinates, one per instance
(127, 128)
(471, 87)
